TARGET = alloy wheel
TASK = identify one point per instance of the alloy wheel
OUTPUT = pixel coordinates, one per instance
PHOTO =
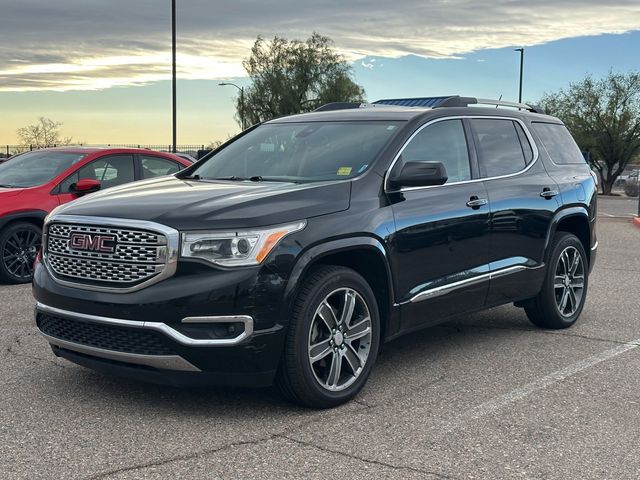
(568, 282)
(19, 253)
(339, 339)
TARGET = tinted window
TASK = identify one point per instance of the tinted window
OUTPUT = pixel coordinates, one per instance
(441, 142)
(109, 171)
(156, 166)
(36, 168)
(524, 143)
(499, 148)
(301, 152)
(559, 143)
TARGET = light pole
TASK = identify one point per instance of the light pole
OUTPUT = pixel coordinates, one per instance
(173, 72)
(222, 84)
(521, 50)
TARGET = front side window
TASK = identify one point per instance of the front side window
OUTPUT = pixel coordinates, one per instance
(443, 142)
(36, 168)
(500, 149)
(300, 152)
(109, 171)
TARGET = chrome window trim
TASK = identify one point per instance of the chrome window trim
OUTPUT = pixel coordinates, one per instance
(161, 327)
(445, 289)
(534, 147)
(171, 261)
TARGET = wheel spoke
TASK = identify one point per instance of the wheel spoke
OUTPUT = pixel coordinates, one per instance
(352, 359)
(319, 351)
(563, 301)
(349, 306)
(328, 316)
(574, 300)
(359, 330)
(334, 371)
(575, 264)
(577, 281)
(558, 281)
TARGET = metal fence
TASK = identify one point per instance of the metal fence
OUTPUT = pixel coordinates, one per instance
(9, 150)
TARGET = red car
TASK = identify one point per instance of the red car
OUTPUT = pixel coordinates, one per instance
(34, 183)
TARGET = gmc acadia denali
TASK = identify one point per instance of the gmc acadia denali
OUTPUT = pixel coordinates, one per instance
(296, 248)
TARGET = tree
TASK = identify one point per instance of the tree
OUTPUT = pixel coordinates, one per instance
(45, 133)
(604, 118)
(293, 76)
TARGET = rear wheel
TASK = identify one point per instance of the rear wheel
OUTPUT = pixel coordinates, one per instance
(332, 340)
(560, 302)
(19, 244)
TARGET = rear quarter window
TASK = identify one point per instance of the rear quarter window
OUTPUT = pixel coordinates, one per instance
(558, 143)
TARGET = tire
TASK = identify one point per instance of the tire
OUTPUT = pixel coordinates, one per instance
(19, 244)
(563, 294)
(319, 304)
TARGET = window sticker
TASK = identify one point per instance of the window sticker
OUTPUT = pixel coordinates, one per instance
(363, 168)
(344, 171)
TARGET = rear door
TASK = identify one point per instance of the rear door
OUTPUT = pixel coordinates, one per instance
(523, 200)
(439, 252)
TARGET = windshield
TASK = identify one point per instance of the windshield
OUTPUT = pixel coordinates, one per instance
(300, 152)
(36, 168)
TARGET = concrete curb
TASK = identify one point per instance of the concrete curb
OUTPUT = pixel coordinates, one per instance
(636, 221)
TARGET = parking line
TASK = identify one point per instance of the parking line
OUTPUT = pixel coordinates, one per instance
(513, 396)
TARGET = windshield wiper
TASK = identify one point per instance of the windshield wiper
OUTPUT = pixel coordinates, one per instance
(191, 177)
(7, 186)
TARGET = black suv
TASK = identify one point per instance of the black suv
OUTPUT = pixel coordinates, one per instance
(294, 250)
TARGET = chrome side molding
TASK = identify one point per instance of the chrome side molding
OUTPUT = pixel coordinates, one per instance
(451, 287)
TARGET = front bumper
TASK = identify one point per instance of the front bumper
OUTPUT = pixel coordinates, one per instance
(212, 327)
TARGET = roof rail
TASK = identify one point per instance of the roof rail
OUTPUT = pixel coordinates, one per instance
(338, 106)
(349, 105)
(466, 101)
(456, 101)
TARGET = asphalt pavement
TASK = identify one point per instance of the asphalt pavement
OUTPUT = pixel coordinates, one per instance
(488, 396)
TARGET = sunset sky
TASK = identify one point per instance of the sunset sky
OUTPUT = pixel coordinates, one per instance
(103, 67)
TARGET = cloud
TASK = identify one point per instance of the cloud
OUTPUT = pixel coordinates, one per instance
(81, 45)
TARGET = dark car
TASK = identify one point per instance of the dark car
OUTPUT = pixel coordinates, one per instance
(298, 247)
(34, 183)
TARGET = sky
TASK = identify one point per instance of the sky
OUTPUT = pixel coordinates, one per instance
(102, 67)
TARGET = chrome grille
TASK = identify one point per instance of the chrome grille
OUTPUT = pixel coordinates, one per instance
(138, 257)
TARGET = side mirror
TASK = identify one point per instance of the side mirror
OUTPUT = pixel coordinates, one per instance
(85, 186)
(420, 174)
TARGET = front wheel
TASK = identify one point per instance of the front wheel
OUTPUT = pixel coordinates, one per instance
(563, 294)
(333, 339)
(19, 244)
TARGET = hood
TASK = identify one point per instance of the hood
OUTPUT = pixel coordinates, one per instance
(194, 205)
(9, 192)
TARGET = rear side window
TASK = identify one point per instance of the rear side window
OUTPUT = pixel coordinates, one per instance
(559, 143)
(156, 166)
(442, 142)
(500, 147)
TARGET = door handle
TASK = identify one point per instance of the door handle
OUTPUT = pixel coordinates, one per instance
(475, 202)
(548, 193)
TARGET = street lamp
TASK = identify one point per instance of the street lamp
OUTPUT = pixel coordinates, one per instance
(521, 50)
(173, 72)
(222, 84)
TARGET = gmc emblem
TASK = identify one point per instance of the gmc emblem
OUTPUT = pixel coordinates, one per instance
(93, 243)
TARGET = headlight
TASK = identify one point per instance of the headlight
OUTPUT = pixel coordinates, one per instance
(235, 248)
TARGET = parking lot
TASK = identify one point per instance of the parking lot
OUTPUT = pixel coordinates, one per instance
(488, 396)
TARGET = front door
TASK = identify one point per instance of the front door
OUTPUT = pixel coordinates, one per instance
(439, 252)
